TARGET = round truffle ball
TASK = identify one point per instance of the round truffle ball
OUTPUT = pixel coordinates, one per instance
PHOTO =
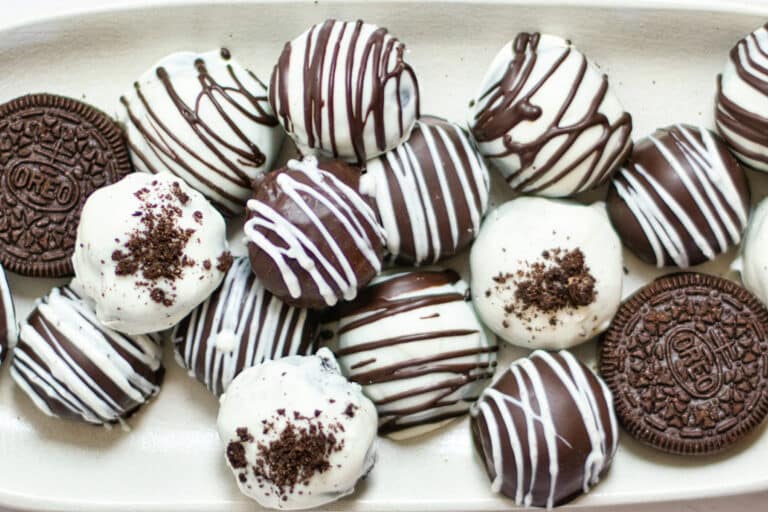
(343, 90)
(297, 434)
(546, 273)
(548, 119)
(681, 199)
(73, 367)
(741, 107)
(312, 238)
(237, 327)
(149, 249)
(206, 119)
(412, 340)
(9, 329)
(545, 429)
(754, 272)
(431, 192)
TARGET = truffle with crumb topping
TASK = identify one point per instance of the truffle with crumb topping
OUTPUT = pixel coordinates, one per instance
(149, 249)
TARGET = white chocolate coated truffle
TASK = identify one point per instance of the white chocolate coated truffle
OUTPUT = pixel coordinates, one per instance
(297, 434)
(415, 344)
(343, 89)
(206, 119)
(523, 239)
(741, 109)
(149, 249)
(754, 262)
(547, 118)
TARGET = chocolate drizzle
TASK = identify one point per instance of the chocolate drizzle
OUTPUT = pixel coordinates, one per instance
(405, 313)
(740, 126)
(367, 71)
(504, 106)
(229, 157)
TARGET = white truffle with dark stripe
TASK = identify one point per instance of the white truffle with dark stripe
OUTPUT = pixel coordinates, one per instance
(73, 367)
(412, 340)
(9, 329)
(548, 119)
(344, 90)
(312, 238)
(206, 119)
(431, 192)
(237, 327)
(546, 430)
(681, 199)
(741, 108)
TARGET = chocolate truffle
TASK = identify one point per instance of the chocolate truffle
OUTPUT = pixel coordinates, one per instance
(546, 273)
(681, 199)
(312, 237)
(206, 119)
(686, 358)
(237, 327)
(545, 429)
(149, 249)
(752, 263)
(412, 340)
(344, 90)
(9, 329)
(54, 152)
(431, 192)
(73, 367)
(741, 107)
(547, 118)
(297, 434)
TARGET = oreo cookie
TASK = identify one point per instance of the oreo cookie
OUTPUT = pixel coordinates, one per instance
(54, 152)
(686, 358)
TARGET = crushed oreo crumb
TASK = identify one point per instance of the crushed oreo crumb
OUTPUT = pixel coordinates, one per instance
(558, 281)
(224, 261)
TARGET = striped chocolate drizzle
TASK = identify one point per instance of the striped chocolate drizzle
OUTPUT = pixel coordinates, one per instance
(239, 326)
(431, 192)
(414, 344)
(744, 129)
(231, 157)
(9, 329)
(371, 60)
(510, 101)
(73, 367)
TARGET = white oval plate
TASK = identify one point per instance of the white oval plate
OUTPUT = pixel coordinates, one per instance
(662, 56)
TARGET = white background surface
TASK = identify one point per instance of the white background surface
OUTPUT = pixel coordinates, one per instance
(657, 108)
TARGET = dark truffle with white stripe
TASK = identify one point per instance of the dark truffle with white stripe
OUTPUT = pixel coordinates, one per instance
(412, 340)
(431, 192)
(312, 238)
(237, 327)
(545, 429)
(681, 199)
(73, 367)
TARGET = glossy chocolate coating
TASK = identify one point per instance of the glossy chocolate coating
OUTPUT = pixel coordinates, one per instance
(681, 199)
(431, 192)
(312, 238)
(545, 429)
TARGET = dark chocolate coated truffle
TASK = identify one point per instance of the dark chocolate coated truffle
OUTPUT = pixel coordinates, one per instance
(237, 327)
(73, 367)
(545, 429)
(431, 192)
(312, 238)
(681, 199)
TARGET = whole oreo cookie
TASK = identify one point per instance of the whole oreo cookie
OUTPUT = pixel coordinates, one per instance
(686, 358)
(54, 151)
